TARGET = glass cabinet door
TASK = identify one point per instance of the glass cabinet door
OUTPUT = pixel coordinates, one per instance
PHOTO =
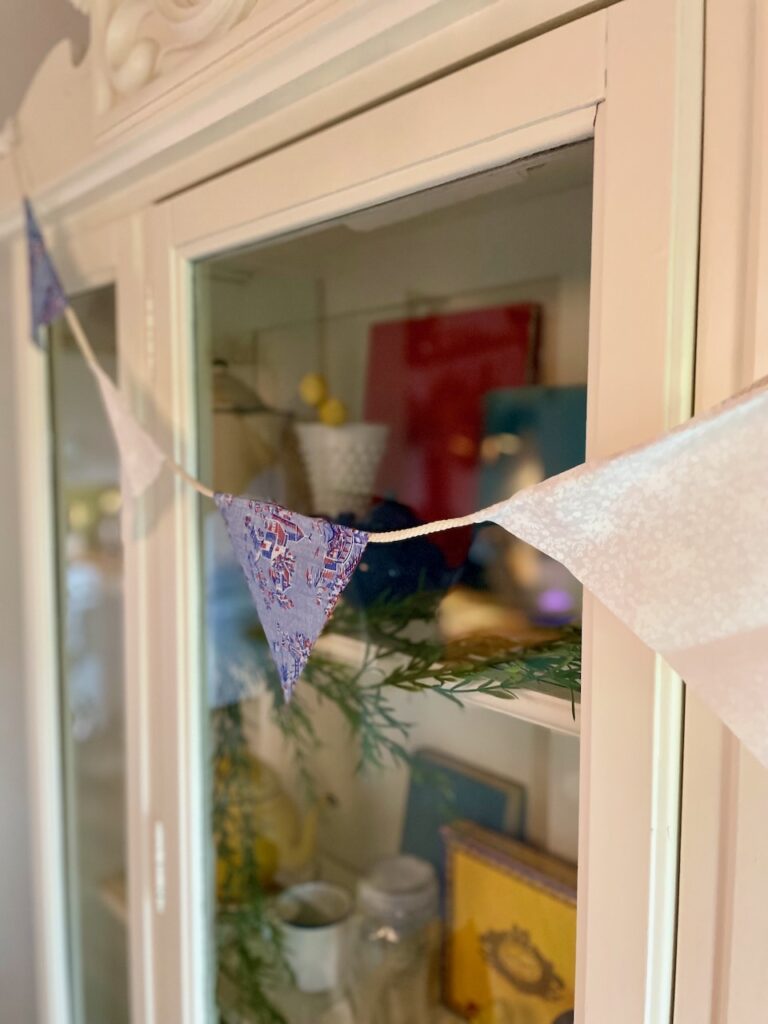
(408, 363)
(90, 573)
(404, 318)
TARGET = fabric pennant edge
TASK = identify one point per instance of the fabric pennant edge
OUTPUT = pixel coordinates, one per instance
(47, 297)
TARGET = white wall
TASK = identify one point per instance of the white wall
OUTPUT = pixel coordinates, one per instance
(28, 30)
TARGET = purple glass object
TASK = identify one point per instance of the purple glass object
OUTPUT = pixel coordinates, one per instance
(555, 601)
(47, 297)
(296, 568)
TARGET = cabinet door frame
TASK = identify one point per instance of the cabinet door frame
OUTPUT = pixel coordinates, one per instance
(88, 254)
(588, 78)
(723, 927)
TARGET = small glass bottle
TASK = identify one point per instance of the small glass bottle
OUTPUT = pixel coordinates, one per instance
(396, 955)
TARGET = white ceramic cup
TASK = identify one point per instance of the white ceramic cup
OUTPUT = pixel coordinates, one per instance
(315, 921)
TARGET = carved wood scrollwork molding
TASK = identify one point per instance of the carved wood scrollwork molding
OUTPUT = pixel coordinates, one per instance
(147, 38)
(141, 40)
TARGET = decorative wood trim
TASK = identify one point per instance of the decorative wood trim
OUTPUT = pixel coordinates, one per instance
(337, 57)
(142, 40)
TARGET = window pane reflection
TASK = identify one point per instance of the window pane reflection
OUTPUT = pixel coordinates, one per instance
(87, 478)
(409, 363)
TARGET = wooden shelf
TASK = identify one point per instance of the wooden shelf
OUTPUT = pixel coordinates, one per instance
(539, 707)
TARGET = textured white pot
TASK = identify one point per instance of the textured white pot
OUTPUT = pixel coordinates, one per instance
(341, 464)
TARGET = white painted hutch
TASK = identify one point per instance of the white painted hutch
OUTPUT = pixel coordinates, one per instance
(191, 129)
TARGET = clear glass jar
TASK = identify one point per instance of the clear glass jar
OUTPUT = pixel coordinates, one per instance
(397, 949)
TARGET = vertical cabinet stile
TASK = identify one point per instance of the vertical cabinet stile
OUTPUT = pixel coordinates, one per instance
(136, 337)
(723, 928)
(643, 342)
(171, 616)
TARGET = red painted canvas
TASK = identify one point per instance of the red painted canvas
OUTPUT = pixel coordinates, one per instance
(427, 378)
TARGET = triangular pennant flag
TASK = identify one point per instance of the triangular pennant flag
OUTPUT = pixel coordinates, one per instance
(47, 297)
(140, 458)
(673, 538)
(296, 568)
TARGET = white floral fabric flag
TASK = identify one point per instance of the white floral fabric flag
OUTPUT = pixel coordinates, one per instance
(140, 457)
(673, 538)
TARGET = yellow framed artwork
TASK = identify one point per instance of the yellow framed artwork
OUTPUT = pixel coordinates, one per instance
(510, 951)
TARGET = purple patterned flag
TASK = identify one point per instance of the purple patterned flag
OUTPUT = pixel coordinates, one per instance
(47, 297)
(296, 568)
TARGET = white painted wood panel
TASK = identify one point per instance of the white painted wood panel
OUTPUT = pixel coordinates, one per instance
(446, 132)
(723, 928)
(641, 352)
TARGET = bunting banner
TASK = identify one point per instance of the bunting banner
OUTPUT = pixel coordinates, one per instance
(296, 568)
(672, 537)
(47, 297)
(140, 457)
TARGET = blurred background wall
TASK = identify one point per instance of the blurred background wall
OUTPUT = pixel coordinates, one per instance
(28, 30)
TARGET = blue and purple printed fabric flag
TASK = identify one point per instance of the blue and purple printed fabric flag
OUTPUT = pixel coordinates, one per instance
(47, 297)
(296, 568)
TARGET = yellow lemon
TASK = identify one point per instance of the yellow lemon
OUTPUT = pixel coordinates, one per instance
(313, 388)
(332, 412)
